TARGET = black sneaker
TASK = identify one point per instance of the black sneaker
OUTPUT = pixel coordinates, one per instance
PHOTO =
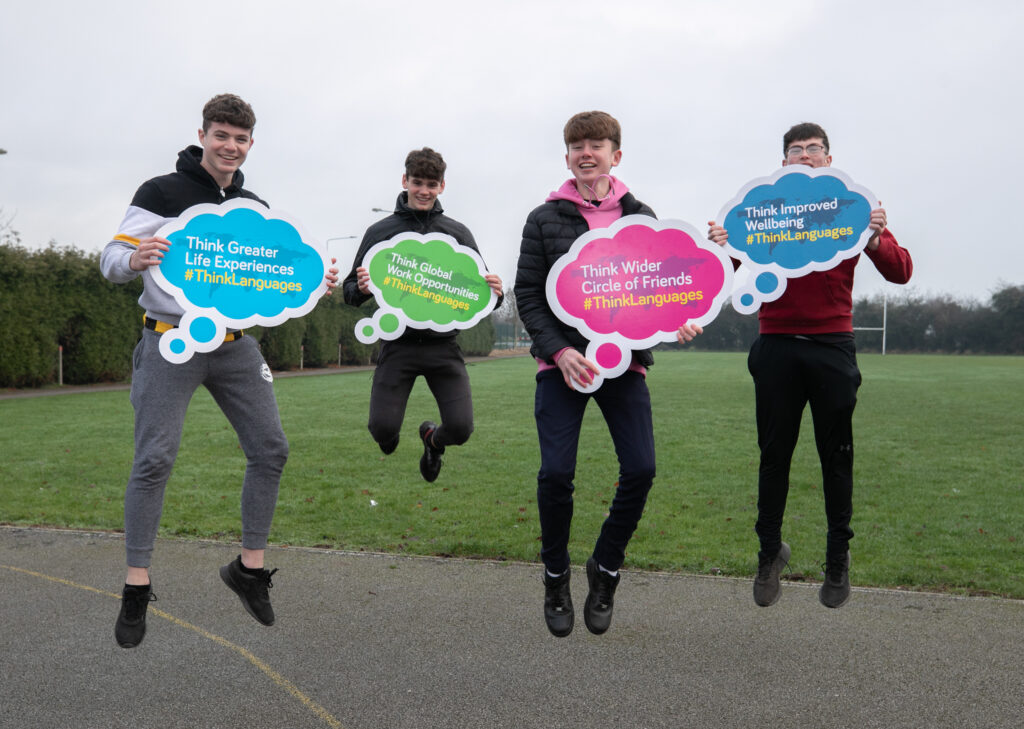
(835, 590)
(597, 610)
(766, 585)
(389, 447)
(252, 589)
(430, 461)
(131, 621)
(558, 612)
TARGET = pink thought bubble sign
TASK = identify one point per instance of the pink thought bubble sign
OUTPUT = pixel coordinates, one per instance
(633, 284)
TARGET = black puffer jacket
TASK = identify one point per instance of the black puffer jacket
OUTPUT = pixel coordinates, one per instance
(549, 233)
(405, 219)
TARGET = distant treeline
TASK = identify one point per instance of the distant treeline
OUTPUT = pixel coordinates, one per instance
(57, 297)
(913, 324)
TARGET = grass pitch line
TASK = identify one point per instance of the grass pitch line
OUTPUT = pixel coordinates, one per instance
(274, 676)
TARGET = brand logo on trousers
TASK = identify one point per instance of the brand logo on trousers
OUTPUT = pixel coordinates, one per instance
(265, 373)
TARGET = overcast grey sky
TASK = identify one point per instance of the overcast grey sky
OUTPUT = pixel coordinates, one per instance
(922, 103)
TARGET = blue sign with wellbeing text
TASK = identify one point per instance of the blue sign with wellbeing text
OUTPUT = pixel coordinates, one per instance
(798, 220)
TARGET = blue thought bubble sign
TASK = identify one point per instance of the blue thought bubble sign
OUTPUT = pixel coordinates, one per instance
(232, 266)
(798, 220)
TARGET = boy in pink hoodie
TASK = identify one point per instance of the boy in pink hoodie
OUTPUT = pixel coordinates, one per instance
(591, 199)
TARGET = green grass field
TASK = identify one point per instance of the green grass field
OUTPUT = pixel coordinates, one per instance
(938, 496)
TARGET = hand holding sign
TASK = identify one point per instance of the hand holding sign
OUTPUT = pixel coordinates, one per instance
(634, 284)
(232, 266)
(424, 282)
(798, 220)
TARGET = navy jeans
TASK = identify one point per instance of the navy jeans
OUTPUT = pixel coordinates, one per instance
(788, 373)
(626, 406)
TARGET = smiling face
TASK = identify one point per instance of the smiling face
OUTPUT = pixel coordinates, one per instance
(588, 160)
(422, 192)
(225, 148)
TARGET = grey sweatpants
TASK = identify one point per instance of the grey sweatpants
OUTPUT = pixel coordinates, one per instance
(241, 383)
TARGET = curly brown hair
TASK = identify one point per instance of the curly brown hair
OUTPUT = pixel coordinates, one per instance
(425, 164)
(228, 109)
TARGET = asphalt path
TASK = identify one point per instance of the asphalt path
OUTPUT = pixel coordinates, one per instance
(366, 641)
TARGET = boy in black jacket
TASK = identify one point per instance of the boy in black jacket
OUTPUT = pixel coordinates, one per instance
(435, 355)
(591, 199)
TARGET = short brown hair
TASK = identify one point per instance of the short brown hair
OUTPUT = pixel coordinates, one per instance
(228, 109)
(802, 131)
(593, 125)
(426, 164)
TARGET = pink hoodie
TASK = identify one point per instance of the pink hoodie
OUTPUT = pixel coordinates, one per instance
(601, 215)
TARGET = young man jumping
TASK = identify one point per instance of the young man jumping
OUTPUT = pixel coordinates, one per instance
(235, 373)
(806, 353)
(591, 199)
(434, 355)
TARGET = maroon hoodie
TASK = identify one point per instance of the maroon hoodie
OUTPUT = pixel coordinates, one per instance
(822, 302)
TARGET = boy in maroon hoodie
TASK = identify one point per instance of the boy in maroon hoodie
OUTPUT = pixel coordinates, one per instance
(805, 353)
(591, 199)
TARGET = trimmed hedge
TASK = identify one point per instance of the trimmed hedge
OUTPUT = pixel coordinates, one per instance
(58, 297)
(352, 351)
(477, 341)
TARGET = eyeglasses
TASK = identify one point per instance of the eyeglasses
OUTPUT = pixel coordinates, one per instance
(796, 150)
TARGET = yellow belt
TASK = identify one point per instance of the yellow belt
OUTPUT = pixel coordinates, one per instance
(161, 326)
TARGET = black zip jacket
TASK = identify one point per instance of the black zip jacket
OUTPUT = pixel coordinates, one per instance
(406, 219)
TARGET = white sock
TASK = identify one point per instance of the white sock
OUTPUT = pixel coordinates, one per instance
(613, 574)
(552, 575)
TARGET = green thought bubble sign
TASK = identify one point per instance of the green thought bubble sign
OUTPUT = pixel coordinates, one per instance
(424, 282)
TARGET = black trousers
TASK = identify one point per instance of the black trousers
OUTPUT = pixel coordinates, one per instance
(788, 373)
(440, 363)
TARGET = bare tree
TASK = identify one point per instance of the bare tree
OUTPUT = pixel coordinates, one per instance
(508, 329)
(8, 235)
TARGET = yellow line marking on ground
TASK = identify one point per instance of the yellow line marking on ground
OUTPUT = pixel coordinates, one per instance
(274, 676)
